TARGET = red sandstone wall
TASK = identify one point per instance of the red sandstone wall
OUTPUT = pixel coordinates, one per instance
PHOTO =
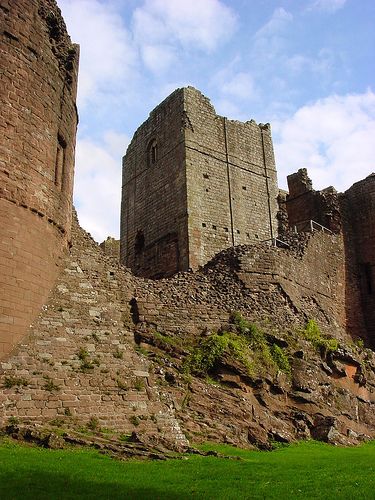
(38, 120)
(303, 204)
(359, 205)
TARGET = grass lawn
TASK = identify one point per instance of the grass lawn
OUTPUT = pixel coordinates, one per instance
(306, 470)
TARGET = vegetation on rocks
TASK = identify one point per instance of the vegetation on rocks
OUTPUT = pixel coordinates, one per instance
(246, 344)
(324, 344)
(10, 382)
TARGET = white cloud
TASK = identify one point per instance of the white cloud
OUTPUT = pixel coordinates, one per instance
(240, 85)
(226, 107)
(280, 19)
(329, 6)
(158, 58)
(234, 89)
(203, 26)
(320, 65)
(97, 189)
(270, 39)
(107, 55)
(333, 138)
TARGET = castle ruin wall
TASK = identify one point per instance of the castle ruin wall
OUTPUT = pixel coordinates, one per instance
(358, 204)
(263, 282)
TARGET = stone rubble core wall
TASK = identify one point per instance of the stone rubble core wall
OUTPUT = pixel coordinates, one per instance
(194, 183)
(263, 282)
(38, 127)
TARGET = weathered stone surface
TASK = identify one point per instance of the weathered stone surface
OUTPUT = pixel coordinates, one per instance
(194, 183)
(37, 140)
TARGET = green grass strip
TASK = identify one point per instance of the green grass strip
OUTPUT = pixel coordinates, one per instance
(306, 470)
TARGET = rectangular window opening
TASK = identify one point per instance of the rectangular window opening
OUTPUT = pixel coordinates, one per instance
(368, 277)
(60, 161)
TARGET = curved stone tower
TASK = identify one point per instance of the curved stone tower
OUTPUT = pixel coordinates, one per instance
(38, 120)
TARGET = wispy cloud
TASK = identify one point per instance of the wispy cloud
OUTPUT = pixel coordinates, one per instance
(321, 64)
(332, 137)
(329, 6)
(203, 26)
(158, 58)
(270, 39)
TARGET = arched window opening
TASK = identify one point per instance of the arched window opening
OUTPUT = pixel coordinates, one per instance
(367, 271)
(139, 243)
(152, 152)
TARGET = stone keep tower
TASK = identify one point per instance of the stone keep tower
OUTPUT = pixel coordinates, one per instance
(38, 120)
(194, 183)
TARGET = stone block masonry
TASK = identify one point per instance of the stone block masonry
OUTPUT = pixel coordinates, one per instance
(194, 183)
(80, 361)
(37, 140)
(269, 284)
(350, 214)
(358, 205)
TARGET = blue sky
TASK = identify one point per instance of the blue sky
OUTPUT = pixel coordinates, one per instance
(305, 66)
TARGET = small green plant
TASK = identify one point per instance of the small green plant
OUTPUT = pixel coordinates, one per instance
(359, 343)
(208, 353)
(212, 381)
(49, 384)
(86, 364)
(13, 421)
(141, 350)
(118, 354)
(204, 357)
(93, 424)
(133, 419)
(243, 326)
(124, 438)
(57, 422)
(281, 359)
(121, 385)
(324, 344)
(83, 354)
(10, 382)
(68, 412)
(163, 340)
(138, 384)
